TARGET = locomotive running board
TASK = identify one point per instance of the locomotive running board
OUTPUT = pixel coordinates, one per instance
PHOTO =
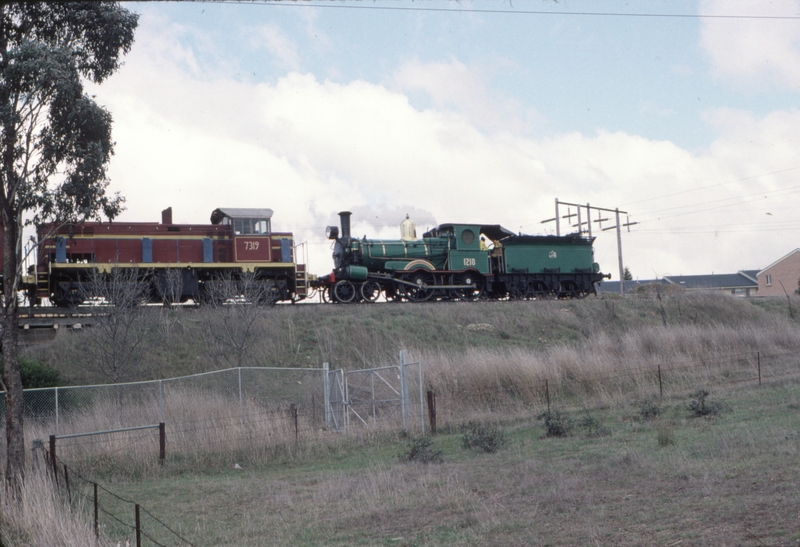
(385, 277)
(426, 286)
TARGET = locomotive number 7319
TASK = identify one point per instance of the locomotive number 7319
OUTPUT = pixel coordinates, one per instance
(250, 245)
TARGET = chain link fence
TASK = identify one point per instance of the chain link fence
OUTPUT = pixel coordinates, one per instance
(241, 410)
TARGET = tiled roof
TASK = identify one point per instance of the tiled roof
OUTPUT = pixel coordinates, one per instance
(713, 281)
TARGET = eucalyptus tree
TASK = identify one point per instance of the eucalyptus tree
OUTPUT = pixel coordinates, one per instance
(55, 145)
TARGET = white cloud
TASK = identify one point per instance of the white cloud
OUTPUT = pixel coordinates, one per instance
(750, 50)
(463, 89)
(278, 44)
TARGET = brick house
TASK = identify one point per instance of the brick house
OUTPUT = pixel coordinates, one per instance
(780, 277)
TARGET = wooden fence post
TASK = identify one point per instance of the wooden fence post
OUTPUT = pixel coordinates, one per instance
(758, 356)
(138, 528)
(432, 410)
(96, 521)
(53, 458)
(296, 429)
(547, 394)
(162, 443)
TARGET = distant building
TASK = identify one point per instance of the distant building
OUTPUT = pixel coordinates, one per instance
(741, 283)
(780, 277)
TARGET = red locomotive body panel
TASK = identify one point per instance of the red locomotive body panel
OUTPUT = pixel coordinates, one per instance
(237, 241)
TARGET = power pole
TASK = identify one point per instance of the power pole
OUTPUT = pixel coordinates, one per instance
(618, 227)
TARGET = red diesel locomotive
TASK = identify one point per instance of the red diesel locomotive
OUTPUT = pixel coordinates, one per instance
(238, 242)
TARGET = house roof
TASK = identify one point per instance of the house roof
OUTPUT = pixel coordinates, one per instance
(751, 274)
(713, 281)
(613, 286)
(778, 261)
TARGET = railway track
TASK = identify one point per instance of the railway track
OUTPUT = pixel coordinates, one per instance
(55, 318)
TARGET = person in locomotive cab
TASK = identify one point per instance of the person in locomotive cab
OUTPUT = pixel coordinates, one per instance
(484, 246)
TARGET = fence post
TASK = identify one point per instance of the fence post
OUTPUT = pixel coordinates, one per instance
(138, 528)
(432, 411)
(547, 394)
(96, 521)
(326, 393)
(403, 389)
(758, 356)
(421, 401)
(53, 458)
(660, 385)
(161, 400)
(296, 429)
(57, 431)
(241, 409)
(162, 443)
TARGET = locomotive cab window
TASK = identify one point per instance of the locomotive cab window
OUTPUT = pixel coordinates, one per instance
(251, 226)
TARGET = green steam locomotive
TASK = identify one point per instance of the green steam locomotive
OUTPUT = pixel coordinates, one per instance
(458, 262)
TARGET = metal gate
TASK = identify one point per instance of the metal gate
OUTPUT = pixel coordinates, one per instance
(334, 390)
(386, 396)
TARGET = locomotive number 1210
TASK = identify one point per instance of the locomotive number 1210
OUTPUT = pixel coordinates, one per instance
(469, 261)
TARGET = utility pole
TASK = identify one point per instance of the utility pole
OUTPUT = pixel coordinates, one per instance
(600, 220)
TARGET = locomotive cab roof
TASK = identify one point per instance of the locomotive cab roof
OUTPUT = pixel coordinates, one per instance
(219, 214)
(492, 231)
(244, 221)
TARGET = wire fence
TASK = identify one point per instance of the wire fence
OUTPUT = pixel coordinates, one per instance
(116, 518)
(508, 400)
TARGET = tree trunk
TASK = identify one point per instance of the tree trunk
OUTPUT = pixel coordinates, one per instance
(12, 380)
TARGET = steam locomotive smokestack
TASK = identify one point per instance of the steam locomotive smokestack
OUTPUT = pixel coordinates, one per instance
(345, 216)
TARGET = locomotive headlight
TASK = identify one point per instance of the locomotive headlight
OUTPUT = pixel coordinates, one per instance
(332, 232)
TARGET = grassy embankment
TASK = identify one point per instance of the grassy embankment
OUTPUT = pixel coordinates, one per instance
(724, 480)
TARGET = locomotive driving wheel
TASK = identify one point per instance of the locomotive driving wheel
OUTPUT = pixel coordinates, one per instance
(344, 291)
(471, 292)
(421, 290)
(370, 291)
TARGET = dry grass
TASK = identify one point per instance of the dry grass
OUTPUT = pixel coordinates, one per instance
(727, 481)
(40, 518)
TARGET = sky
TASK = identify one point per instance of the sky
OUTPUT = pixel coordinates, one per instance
(681, 114)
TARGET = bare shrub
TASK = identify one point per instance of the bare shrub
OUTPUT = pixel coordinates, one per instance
(556, 423)
(649, 409)
(233, 326)
(112, 345)
(420, 450)
(593, 426)
(477, 436)
(700, 407)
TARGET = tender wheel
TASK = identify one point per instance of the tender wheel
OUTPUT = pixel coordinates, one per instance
(370, 291)
(468, 293)
(344, 291)
(422, 289)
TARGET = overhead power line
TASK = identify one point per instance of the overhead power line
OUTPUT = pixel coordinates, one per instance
(374, 6)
